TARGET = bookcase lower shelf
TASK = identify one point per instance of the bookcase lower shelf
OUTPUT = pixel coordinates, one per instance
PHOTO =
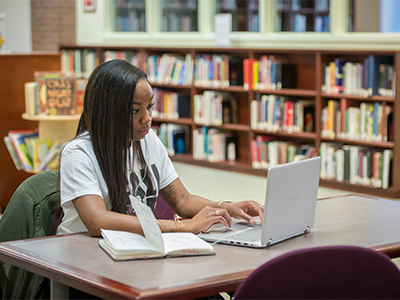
(391, 192)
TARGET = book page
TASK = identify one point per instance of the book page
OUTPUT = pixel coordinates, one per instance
(127, 241)
(186, 243)
(149, 224)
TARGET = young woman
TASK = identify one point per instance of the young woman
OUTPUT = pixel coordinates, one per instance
(115, 154)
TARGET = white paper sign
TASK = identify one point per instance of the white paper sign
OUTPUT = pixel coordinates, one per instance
(223, 29)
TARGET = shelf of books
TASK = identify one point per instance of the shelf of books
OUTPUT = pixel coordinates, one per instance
(55, 101)
(245, 110)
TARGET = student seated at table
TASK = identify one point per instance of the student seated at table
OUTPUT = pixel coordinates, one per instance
(115, 154)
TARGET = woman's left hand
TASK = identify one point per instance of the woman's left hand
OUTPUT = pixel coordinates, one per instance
(245, 210)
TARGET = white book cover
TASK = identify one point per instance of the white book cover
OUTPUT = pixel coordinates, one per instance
(254, 114)
(387, 156)
(339, 165)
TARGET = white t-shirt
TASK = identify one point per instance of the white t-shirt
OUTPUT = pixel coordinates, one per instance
(80, 175)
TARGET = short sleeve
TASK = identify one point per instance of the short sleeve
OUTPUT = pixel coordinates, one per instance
(78, 174)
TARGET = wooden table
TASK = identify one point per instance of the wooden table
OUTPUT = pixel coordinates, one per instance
(76, 260)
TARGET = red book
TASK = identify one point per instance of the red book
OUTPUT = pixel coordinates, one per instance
(248, 73)
(255, 160)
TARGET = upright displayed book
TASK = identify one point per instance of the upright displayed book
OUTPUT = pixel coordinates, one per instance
(122, 245)
(56, 93)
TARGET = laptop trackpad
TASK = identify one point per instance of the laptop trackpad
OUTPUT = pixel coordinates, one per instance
(219, 230)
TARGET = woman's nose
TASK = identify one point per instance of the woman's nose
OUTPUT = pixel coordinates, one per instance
(146, 118)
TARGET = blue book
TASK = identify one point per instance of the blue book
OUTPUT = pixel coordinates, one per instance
(339, 63)
(204, 131)
(183, 105)
(375, 126)
(373, 72)
(211, 69)
(181, 80)
(17, 138)
(274, 73)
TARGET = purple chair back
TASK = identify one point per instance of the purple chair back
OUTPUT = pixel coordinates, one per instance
(162, 210)
(333, 272)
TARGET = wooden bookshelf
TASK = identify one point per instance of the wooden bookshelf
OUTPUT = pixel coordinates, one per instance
(16, 70)
(309, 68)
(55, 127)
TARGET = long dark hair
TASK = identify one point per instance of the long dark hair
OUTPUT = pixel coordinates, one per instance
(107, 116)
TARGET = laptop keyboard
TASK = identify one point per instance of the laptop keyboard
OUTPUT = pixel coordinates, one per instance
(249, 236)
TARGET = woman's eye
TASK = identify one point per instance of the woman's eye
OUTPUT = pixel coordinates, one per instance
(150, 106)
(135, 111)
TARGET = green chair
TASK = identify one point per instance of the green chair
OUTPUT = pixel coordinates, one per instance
(29, 214)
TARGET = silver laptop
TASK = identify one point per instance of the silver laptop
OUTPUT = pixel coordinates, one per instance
(289, 211)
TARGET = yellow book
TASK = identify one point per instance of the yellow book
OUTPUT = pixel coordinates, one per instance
(256, 66)
(38, 149)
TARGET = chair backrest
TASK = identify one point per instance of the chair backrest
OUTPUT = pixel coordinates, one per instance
(162, 210)
(27, 215)
(332, 272)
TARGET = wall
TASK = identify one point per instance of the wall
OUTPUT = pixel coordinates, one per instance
(17, 25)
(53, 23)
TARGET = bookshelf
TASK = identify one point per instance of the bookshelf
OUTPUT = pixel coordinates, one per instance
(16, 70)
(35, 150)
(310, 73)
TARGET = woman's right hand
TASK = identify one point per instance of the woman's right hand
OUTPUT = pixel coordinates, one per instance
(205, 218)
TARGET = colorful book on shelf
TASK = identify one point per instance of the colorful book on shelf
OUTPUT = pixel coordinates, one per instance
(56, 93)
(38, 149)
(60, 96)
(51, 161)
(256, 67)
(41, 77)
(254, 152)
(13, 153)
(373, 72)
(230, 111)
(177, 138)
(80, 86)
(31, 98)
(17, 138)
(248, 73)
(302, 110)
(235, 71)
(386, 168)
(122, 245)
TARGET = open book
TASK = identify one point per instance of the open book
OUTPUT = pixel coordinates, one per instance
(122, 245)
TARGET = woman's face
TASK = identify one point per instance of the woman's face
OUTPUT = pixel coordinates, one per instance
(142, 105)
